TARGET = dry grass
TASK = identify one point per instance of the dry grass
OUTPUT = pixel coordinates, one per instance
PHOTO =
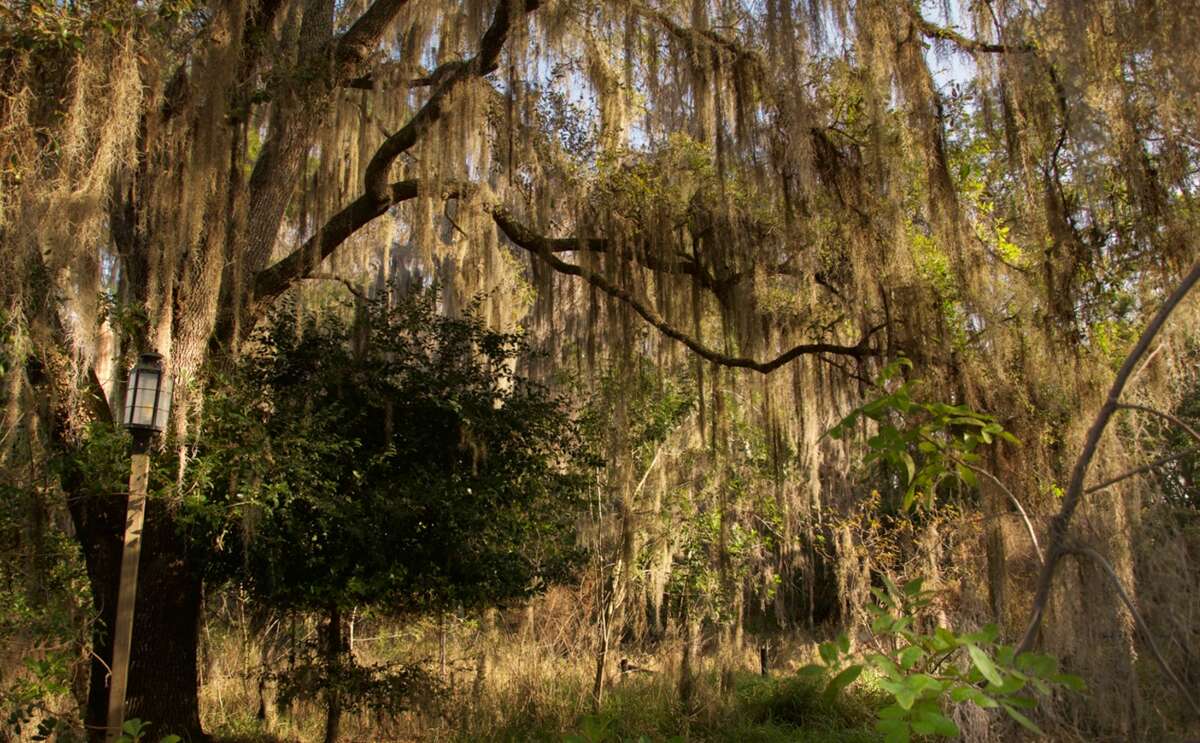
(529, 689)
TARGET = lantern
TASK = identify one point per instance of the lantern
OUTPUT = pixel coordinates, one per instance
(147, 396)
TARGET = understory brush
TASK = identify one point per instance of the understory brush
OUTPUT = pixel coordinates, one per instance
(522, 691)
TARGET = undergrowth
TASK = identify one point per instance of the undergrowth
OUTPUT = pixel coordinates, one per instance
(640, 708)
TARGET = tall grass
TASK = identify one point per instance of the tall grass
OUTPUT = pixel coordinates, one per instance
(531, 691)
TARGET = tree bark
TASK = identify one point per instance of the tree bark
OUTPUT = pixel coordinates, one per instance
(687, 681)
(334, 647)
(163, 683)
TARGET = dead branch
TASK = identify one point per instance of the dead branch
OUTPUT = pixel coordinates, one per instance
(1137, 618)
(1139, 470)
(1012, 499)
(1174, 419)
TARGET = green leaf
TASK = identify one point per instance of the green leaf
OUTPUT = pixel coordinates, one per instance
(913, 587)
(1024, 721)
(909, 465)
(985, 665)
(923, 682)
(947, 638)
(939, 723)
(987, 634)
(843, 679)
(960, 694)
(811, 671)
(1022, 702)
(984, 701)
(894, 731)
(829, 652)
(1037, 663)
(843, 642)
(910, 655)
(882, 624)
(1074, 683)
(885, 665)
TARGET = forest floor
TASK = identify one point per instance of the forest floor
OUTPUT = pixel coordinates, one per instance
(531, 692)
(643, 709)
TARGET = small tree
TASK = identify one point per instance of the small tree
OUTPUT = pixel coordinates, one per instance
(395, 461)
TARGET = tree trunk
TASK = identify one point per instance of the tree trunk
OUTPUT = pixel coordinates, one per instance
(163, 686)
(333, 649)
(686, 675)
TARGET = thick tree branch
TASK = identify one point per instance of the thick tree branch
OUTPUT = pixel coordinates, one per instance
(1061, 522)
(371, 80)
(642, 256)
(355, 45)
(378, 194)
(325, 62)
(933, 31)
(483, 63)
(689, 37)
(350, 287)
(542, 248)
(274, 280)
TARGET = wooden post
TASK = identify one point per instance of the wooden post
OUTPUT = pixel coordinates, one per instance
(762, 659)
(127, 590)
(442, 643)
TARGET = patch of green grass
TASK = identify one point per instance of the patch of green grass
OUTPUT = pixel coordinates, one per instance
(792, 709)
(756, 709)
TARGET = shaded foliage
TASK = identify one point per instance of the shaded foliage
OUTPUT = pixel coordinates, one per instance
(395, 460)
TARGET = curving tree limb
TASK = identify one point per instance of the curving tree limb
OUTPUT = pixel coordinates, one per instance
(933, 31)
(483, 63)
(1173, 419)
(1137, 618)
(1062, 521)
(542, 248)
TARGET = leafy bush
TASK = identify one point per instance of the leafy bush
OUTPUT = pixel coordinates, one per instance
(924, 673)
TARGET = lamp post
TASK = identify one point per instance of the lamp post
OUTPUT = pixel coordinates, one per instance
(147, 403)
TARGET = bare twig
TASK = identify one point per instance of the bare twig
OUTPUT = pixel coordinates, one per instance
(1139, 470)
(1137, 618)
(1174, 419)
(1013, 499)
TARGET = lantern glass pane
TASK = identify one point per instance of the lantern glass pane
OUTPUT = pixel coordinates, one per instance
(142, 395)
(143, 415)
(164, 403)
(130, 390)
